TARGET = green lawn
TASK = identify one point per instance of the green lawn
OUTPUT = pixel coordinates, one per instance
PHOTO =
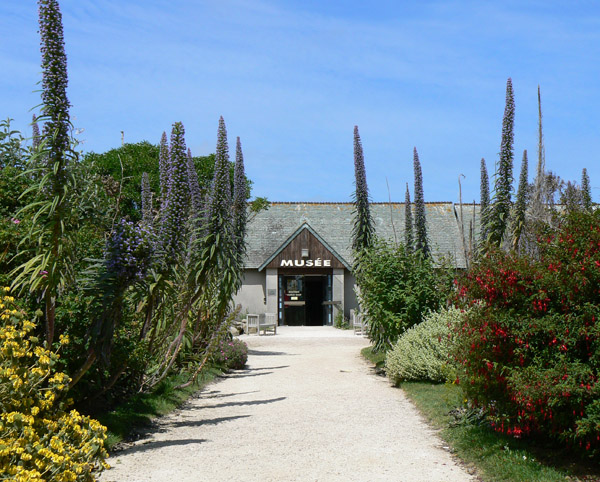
(494, 457)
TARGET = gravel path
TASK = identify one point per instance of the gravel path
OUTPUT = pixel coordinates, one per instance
(307, 408)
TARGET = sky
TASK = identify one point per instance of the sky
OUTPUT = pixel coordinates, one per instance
(293, 78)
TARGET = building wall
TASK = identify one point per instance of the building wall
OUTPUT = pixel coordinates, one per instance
(254, 298)
(253, 292)
(350, 301)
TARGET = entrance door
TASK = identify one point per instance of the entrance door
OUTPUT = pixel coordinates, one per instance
(292, 296)
(314, 300)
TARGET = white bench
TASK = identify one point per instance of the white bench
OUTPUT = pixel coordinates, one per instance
(264, 322)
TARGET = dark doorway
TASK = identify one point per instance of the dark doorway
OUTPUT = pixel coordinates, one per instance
(314, 300)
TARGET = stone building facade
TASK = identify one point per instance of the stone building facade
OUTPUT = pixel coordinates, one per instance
(299, 255)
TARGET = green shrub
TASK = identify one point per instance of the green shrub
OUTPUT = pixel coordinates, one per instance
(423, 351)
(231, 354)
(340, 321)
(396, 288)
(530, 348)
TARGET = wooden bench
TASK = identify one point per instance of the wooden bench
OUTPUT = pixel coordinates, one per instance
(359, 324)
(263, 322)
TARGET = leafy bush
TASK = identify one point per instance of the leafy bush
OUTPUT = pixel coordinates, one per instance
(39, 439)
(231, 354)
(396, 288)
(423, 351)
(530, 347)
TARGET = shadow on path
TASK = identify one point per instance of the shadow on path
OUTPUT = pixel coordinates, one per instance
(244, 375)
(157, 444)
(210, 421)
(240, 404)
(217, 394)
(267, 353)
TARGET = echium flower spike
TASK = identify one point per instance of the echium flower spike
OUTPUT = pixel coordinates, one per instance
(586, 191)
(36, 137)
(55, 105)
(220, 198)
(518, 220)
(195, 193)
(164, 166)
(175, 215)
(240, 191)
(408, 222)
(484, 194)
(421, 243)
(500, 211)
(363, 230)
(146, 201)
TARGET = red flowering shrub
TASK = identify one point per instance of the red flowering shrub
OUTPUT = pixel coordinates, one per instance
(530, 347)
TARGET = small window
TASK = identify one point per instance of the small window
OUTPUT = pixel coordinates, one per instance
(305, 252)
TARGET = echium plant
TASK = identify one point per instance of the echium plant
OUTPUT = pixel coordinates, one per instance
(518, 219)
(50, 267)
(219, 204)
(484, 195)
(363, 231)
(164, 166)
(128, 252)
(497, 221)
(127, 258)
(240, 213)
(36, 137)
(586, 191)
(408, 222)
(194, 185)
(175, 215)
(55, 105)
(421, 243)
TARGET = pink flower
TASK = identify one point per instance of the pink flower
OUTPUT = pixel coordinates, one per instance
(15, 220)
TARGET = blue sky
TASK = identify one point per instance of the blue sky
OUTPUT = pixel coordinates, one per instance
(292, 78)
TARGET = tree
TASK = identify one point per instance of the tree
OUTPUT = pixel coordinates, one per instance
(421, 242)
(408, 222)
(586, 191)
(518, 219)
(363, 230)
(121, 170)
(500, 210)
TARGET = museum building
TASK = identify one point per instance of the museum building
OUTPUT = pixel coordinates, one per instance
(299, 255)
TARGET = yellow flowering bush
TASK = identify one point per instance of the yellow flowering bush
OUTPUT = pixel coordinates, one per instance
(39, 439)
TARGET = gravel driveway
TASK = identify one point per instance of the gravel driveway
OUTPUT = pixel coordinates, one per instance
(307, 408)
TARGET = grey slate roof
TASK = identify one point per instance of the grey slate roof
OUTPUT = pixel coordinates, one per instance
(334, 221)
